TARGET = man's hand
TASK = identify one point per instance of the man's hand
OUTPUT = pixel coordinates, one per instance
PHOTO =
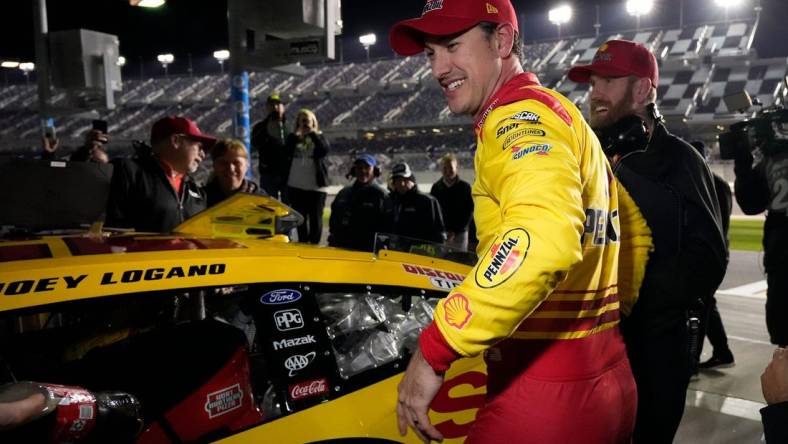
(418, 387)
(50, 144)
(16, 413)
(774, 380)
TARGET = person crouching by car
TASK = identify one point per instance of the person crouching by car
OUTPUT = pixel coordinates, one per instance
(308, 175)
(230, 165)
(411, 213)
(357, 210)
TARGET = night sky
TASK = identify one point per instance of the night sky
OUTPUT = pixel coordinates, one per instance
(199, 27)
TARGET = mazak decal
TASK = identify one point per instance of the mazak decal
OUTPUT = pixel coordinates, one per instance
(511, 138)
(286, 320)
(505, 129)
(432, 5)
(308, 389)
(282, 296)
(457, 310)
(298, 362)
(540, 149)
(504, 258)
(442, 280)
(294, 342)
(527, 116)
(223, 401)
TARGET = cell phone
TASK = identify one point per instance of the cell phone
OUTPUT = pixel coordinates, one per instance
(100, 125)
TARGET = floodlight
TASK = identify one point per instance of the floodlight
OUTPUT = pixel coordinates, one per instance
(639, 7)
(121, 61)
(9, 64)
(728, 3)
(221, 55)
(165, 59)
(147, 3)
(27, 66)
(560, 15)
(368, 39)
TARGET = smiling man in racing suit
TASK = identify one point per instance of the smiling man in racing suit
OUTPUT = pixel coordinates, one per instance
(543, 301)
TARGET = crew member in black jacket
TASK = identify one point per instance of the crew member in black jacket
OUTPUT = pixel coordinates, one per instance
(269, 137)
(153, 190)
(357, 210)
(675, 192)
(763, 186)
(411, 213)
(454, 196)
(774, 383)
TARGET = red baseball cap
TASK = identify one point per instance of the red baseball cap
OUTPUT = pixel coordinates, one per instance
(170, 125)
(619, 58)
(447, 17)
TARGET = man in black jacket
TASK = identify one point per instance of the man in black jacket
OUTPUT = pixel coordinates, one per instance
(675, 192)
(721, 355)
(153, 191)
(454, 196)
(774, 383)
(411, 213)
(357, 210)
(760, 186)
(269, 137)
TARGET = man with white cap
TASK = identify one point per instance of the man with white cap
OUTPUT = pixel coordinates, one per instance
(543, 301)
(674, 189)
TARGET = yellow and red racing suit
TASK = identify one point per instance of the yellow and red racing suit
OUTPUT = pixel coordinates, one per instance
(544, 298)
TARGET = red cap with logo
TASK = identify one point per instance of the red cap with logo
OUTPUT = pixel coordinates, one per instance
(447, 17)
(619, 58)
(170, 125)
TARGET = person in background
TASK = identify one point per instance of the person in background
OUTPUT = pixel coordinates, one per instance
(92, 150)
(721, 355)
(409, 212)
(357, 210)
(230, 165)
(154, 191)
(307, 176)
(674, 190)
(268, 138)
(774, 383)
(454, 196)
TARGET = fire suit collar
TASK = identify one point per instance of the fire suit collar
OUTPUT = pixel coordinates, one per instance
(506, 94)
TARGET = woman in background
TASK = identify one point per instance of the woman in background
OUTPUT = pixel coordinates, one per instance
(230, 164)
(308, 175)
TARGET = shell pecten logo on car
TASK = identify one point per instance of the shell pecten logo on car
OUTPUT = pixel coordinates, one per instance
(505, 257)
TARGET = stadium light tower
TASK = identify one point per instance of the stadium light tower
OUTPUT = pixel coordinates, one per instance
(26, 68)
(165, 59)
(221, 56)
(366, 41)
(147, 3)
(638, 8)
(559, 16)
(727, 5)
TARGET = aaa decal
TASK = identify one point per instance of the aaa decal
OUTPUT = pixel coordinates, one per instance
(528, 132)
(519, 152)
(457, 310)
(504, 258)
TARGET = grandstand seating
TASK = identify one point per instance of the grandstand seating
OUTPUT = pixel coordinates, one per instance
(700, 65)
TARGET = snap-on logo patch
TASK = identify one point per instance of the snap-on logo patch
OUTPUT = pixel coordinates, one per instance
(504, 258)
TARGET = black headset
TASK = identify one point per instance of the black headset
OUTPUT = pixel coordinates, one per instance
(352, 173)
(628, 134)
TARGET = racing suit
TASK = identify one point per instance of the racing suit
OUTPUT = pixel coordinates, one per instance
(765, 187)
(543, 300)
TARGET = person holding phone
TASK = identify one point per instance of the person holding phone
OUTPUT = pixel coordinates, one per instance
(93, 150)
(308, 174)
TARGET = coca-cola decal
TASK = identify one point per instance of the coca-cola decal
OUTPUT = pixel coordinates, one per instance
(225, 400)
(282, 296)
(298, 362)
(308, 389)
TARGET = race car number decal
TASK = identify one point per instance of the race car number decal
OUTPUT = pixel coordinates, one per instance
(504, 258)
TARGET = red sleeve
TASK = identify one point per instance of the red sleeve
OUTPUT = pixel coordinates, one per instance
(436, 350)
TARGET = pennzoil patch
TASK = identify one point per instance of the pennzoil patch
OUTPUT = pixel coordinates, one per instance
(504, 258)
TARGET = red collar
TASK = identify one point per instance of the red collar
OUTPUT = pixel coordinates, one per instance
(506, 94)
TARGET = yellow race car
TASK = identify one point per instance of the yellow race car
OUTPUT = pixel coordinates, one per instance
(219, 335)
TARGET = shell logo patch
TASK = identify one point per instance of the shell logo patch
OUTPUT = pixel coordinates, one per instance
(504, 258)
(491, 9)
(457, 310)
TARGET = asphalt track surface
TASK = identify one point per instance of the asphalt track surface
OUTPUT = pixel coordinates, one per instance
(722, 405)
